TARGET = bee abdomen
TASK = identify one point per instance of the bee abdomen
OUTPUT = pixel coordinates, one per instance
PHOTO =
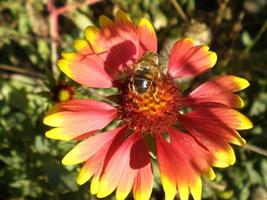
(141, 85)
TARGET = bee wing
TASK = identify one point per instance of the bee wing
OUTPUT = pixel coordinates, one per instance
(165, 55)
(125, 72)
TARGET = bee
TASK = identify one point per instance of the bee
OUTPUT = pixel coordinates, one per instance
(145, 73)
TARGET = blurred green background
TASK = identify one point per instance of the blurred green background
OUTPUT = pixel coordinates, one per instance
(30, 43)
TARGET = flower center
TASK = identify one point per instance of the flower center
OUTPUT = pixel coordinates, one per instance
(152, 111)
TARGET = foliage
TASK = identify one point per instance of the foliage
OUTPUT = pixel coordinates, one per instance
(30, 165)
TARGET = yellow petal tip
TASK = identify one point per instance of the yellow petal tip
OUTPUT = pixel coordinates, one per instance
(240, 103)
(213, 58)
(94, 185)
(196, 189)
(190, 40)
(91, 34)
(105, 21)
(210, 174)
(67, 160)
(245, 123)
(241, 82)
(206, 48)
(68, 55)
(57, 134)
(122, 17)
(144, 22)
(80, 44)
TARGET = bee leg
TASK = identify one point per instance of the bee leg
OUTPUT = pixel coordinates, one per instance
(155, 94)
(130, 87)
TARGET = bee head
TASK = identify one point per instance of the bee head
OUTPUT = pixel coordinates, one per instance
(150, 57)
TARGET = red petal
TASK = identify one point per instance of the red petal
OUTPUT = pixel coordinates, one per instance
(139, 165)
(167, 167)
(215, 142)
(87, 148)
(199, 157)
(77, 117)
(116, 44)
(220, 90)
(95, 152)
(188, 60)
(181, 162)
(87, 70)
(206, 100)
(147, 36)
(226, 83)
(214, 127)
(116, 167)
(225, 117)
(140, 160)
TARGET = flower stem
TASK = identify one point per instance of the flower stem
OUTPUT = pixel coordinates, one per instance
(256, 39)
(179, 10)
(20, 70)
(256, 149)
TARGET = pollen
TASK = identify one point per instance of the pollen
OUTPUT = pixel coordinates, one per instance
(154, 111)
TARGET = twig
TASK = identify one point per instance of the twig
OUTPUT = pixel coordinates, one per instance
(74, 6)
(219, 187)
(20, 70)
(221, 11)
(255, 149)
(53, 25)
(179, 10)
(256, 39)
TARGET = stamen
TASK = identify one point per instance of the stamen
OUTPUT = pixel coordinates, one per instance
(154, 111)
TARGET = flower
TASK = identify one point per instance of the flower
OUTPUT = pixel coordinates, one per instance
(187, 134)
(62, 92)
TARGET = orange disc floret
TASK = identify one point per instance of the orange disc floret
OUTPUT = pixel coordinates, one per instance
(154, 111)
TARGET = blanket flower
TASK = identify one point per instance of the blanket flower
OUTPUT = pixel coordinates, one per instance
(187, 134)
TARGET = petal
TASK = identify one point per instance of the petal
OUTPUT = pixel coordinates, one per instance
(219, 90)
(215, 127)
(117, 44)
(87, 148)
(77, 117)
(221, 151)
(167, 168)
(226, 83)
(115, 167)
(210, 174)
(105, 21)
(95, 182)
(143, 183)
(122, 17)
(182, 161)
(82, 47)
(183, 191)
(111, 149)
(126, 183)
(95, 162)
(147, 36)
(214, 100)
(139, 165)
(196, 189)
(140, 160)
(87, 70)
(225, 117)
(198, 156)
(93, 35)
(91, 166)
(187, 60)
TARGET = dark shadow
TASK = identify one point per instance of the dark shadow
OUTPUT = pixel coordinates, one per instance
(139, 156)
(119, 55)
